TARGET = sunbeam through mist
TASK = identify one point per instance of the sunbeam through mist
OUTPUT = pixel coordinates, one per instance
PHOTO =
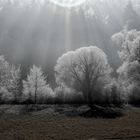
(68, 3)
(69, 69)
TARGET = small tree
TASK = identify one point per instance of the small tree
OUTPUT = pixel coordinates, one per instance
(15, 75)
(36, 85)
(113, 95)
(4, 72)
(4, 80)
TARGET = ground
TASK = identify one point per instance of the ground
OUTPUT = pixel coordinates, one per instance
(48, 124)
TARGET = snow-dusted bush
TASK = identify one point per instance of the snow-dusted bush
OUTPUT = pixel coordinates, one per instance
(46, 95)
(113, 94)
(5, 96)
(134, 94)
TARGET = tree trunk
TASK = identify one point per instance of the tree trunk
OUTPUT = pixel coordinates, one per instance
(36, 89)
(35, 95)
(16, 96)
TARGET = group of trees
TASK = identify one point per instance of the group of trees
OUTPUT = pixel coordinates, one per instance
(129, 72)
(40, 37)
(35, 88)
(86, 71)
(83, 75)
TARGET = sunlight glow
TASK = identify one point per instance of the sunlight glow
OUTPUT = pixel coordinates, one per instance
(68, 3)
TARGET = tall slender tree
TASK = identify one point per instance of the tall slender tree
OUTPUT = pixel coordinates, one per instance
(14, 87)
(36, 86)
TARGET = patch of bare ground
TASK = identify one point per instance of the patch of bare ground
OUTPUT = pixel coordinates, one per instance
(48, 124)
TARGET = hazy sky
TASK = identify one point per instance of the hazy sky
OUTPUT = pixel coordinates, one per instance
(38, 31)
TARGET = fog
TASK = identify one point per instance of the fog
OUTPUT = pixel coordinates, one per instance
(39, 32)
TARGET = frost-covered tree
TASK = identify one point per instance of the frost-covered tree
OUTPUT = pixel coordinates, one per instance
(14, 83)
(36, 87)
(4, 72)
(129, 43)
(85, 70)
(5, 95)
(129, 72)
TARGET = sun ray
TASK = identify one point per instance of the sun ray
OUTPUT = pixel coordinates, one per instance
(68, 38)
(68, 3)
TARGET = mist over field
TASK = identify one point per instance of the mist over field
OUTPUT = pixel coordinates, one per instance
(69, 69)
(38, 32)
